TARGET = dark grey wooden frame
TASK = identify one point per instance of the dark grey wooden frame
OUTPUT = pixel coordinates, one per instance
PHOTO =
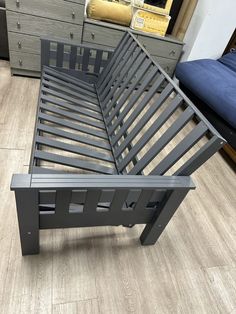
(116, 195)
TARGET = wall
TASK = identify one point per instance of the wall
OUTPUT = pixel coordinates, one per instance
(210, 29)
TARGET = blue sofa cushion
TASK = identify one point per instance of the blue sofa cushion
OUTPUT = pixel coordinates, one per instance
(229, 60)
(212, 82)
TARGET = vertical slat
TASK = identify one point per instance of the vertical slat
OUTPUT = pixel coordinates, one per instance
(114, 65)
(45, 52)
(143, 200)
(112, 60)
(185, 117)
(63, 198)
(60, 55)
(118, 200)
(145, 119)
(85, 60)
(123, 89)
(91, 201)
(153, 230)
(202, 155)
(140, 107)
(98, 61)
(186, 144)
(134, 98)
(73, 57)
(119, 74)
(148, 96)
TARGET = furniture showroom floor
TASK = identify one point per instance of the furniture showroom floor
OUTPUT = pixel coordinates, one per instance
(191, 269)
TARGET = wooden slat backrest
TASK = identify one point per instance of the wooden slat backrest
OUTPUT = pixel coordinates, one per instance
(144, 110)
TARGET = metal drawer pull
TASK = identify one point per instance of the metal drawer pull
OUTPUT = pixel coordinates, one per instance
(73, 15)
(71, 35)
(18, 3)
(92, 35)
(18, 24)
(20, 62)
(19, 44)
(172, 53)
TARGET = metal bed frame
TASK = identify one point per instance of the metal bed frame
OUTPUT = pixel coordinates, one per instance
(93, 97)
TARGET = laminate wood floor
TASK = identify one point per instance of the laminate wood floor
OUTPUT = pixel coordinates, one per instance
(192, 268)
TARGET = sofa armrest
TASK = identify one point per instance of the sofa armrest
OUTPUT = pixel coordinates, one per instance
(76, 59)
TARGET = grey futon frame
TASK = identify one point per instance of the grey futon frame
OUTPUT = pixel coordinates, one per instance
(111, 115)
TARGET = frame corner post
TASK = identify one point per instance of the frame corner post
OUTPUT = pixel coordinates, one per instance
(169, 205)
(28, 219)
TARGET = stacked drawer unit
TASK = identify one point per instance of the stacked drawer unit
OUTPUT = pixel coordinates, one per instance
(165, 50)
(27, 20)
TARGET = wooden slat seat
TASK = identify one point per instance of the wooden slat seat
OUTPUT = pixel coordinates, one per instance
(103, 151)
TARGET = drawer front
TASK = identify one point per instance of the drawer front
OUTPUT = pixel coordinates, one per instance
(54, 9)
(168, 65)
(100, 35)
(24, 43)
(161, 48)
(32, 25)
(25, 61)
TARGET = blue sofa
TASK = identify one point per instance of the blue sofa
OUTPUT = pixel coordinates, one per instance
(211, 85)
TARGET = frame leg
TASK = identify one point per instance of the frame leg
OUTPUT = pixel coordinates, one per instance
(154, 229)
(28, 220)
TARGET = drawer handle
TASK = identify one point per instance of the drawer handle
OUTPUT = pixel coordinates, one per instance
(18, 3)
(19, 44)
(93, 35)
(20, 62)
(172, 53)
(73, 15)
(18, 24)
(71, 35)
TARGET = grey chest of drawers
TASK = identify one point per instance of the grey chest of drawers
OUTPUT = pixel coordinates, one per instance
(166, 50)
(27, 20)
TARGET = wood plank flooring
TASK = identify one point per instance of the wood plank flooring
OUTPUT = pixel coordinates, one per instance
(192, 268)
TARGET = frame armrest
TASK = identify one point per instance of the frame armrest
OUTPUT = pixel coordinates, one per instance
(74, 58)
(86, 181)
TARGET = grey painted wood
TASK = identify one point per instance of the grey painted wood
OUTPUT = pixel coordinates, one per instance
(71, 136)
(38, 26)
(160, 48)
(101, 35)
(28, 218)
(53, 9)
(25, 61)
(23, 43)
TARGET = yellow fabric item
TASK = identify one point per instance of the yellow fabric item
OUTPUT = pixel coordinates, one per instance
(110, 12)
(150, 22)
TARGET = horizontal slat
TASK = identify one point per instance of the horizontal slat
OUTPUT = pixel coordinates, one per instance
(73, 116)
(72, 162)
(69, 78)
(75, 108)
(71, 125)
(73, 148)
(69, 85)
(64, 95)
(75, 137)
(67, 91)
